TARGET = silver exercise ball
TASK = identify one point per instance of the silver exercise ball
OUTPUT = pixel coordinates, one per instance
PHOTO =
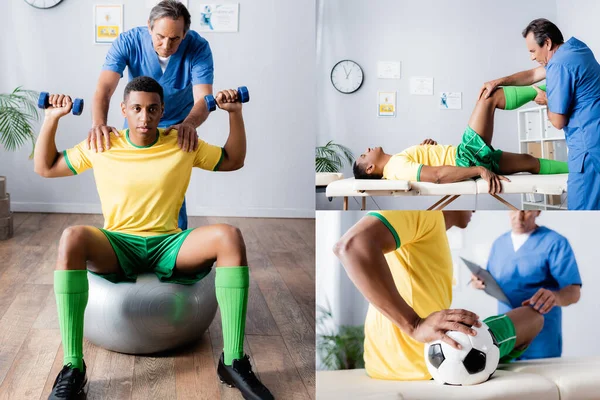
(148, 316)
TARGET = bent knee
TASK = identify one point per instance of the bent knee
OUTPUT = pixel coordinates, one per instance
(230, 235)
(73, 236)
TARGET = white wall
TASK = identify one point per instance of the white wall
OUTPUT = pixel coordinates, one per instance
(461, 44)
(474, 243)
(579, 18)
(273, 54)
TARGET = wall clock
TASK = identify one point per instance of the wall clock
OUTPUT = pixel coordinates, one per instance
(347, 76)
(43, 4)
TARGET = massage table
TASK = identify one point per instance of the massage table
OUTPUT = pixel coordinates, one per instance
(549, 379)
(519, 183)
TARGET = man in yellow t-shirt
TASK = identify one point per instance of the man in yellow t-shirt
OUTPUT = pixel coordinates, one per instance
(401, 262)
(474, 156)
(141, 181)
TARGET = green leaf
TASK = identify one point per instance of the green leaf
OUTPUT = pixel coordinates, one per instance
(18, 112)
(336, 155)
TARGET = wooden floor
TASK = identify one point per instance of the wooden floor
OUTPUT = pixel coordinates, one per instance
(280, 327)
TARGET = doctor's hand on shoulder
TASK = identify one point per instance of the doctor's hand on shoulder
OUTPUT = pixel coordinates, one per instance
(543, 301)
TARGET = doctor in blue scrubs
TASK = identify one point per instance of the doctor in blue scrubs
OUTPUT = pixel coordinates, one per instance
(573, 98)
(535, 266)
(178, 58)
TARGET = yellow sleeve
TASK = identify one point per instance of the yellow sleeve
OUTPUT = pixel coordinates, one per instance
(402, 167)
(408, 226)
(208, 156)
(78, 158)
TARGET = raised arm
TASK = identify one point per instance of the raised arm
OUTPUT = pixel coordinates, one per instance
(235, 147)
(47, 161)
(361, 251)
(187, 137)
(523, 78)
(99, 134)
(451, 174)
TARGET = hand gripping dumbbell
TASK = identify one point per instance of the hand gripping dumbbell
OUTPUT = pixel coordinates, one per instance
(44, 102)
(243, 97)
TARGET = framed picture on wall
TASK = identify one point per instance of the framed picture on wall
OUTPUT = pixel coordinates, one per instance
(386, 104)
(219, 17)
(108, 22)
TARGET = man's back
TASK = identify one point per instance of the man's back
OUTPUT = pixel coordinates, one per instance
(573, 76)
(422, 270)
(142, 188)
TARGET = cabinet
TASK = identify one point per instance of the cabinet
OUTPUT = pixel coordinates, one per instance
(539, 138)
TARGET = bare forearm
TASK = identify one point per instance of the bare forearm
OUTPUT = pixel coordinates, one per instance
(197, 115)
(451, 174)
(235, 147)
(368, 269)
(523, 78)
(45, 153)
(568, 295)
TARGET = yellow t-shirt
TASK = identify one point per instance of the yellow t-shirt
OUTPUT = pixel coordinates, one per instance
(406, 166)
(421, 267)
(141, 189)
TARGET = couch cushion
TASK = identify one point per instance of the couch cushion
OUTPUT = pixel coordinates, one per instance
(505, 385)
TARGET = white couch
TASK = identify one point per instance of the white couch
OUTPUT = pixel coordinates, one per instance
(550, 379)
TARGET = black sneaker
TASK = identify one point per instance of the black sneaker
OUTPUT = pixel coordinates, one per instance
(240, 375)
(69, 383)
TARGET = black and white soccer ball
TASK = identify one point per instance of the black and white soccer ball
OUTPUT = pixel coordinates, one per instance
(474, 363)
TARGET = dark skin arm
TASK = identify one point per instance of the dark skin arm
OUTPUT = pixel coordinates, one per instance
(235, 147)
(451, 174)
(361, 251)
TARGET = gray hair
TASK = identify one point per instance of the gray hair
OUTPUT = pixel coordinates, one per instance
(170, 9)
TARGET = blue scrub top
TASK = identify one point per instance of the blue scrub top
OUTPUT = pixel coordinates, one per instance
(573, 88)
(192, 64)
(545, 260)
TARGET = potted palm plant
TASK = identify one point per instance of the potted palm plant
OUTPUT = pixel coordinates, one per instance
(18, 112)
(330, 160)
(340, 348)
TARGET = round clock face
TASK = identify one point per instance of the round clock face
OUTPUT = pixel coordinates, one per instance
(43, 3)
(346, 76)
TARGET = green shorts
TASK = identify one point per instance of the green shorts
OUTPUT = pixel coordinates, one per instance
(139, 254)
(503, 330)
(473, 151)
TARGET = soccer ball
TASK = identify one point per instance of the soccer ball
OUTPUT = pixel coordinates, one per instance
(474, 363)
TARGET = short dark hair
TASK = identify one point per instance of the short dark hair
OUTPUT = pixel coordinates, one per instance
(143, 84)
(171, 9)
(543, 29)
(360, 172)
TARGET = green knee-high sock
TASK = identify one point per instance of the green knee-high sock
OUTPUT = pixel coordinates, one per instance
(232, 295)
(516, 96)
(71, 290)
(550, 167)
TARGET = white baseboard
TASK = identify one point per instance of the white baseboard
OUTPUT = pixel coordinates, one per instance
(90, 208)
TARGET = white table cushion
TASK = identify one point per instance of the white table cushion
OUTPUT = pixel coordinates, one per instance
(325, 178)
(527, 183)
(382, 187)
(576, 379)
(505, 385)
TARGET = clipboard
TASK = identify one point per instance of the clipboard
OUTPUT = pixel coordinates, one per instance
(491, 286)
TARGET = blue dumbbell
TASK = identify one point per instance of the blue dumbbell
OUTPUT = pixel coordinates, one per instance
(44, 102)
(243, 97)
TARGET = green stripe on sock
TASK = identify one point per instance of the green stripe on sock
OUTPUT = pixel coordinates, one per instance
(231, 285)
(551, 167)
(71, 291)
